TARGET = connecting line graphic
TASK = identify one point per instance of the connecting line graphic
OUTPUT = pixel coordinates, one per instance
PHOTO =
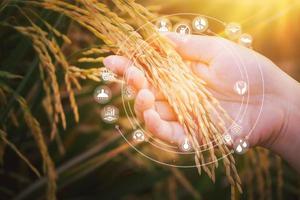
(232, 31)
(117, 127)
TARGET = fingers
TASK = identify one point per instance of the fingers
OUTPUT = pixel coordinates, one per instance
(165, 111)
(159, 122)
(156, 116)
(196, 47)
(117, 64)
(124, 67)
(135, 78)
(144, 101)
(157, 93)
(164, 130)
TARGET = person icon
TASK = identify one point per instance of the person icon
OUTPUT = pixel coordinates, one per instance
(182, 30)
(102, 94)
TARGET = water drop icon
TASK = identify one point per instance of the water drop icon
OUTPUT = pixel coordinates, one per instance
(239, 148)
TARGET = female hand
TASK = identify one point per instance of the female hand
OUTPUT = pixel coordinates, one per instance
(264, 113)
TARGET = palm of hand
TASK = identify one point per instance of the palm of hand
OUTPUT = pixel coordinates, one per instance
(221, 64)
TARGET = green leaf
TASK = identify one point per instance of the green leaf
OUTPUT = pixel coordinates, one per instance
(8, 75)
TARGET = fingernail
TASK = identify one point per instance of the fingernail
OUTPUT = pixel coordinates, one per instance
(108, 62)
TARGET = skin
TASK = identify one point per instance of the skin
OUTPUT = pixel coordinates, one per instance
(221, 63)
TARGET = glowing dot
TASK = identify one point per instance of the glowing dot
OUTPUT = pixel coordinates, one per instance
(107, 75)
(246, 40)
(233, 30)
(241, 146)
(200, 24)
(182, 29)
(102, 94)
(240, 87)
(186, 146)
(138, 135)
(227, 139)
(110, 114)
(235, 129)
(163, 25)
(128, 92)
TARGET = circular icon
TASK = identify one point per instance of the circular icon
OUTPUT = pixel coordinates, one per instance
(241, 146)
(246, 40)
(163, 25)
(240, 87)
(128, 92)
(235, 129)
(138, 135)
(183, 29)
(227, 139)
(186, 146)
(200, 24)
(110, 114)
(102, 94)
(107, 75)
(233, 30)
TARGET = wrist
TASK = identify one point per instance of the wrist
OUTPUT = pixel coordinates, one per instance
(287, 144)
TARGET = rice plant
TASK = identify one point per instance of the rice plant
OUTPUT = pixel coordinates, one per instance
(52, 94)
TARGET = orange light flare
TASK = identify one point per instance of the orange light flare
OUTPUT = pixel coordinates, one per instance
(274, 24)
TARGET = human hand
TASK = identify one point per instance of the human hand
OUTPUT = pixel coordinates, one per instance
(221, 64)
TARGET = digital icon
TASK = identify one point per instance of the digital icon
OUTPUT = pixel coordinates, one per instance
(163, 25)
(128, 92)
(110, 114)
(240, 87)
(102, 94)
(186, 146)
(241, 146)
(200, 24)
(227, 139)
(233, 30)
(235, 129)
(246, 40)
(107, 75)
(183, 29)
(138, 135)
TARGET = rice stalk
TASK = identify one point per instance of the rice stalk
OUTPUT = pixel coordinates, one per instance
(192, 102)
(185, 183)
(34, 126)
(265, 167)
(18, 152)
(40, 42)
(172, 188)
(37, 134)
